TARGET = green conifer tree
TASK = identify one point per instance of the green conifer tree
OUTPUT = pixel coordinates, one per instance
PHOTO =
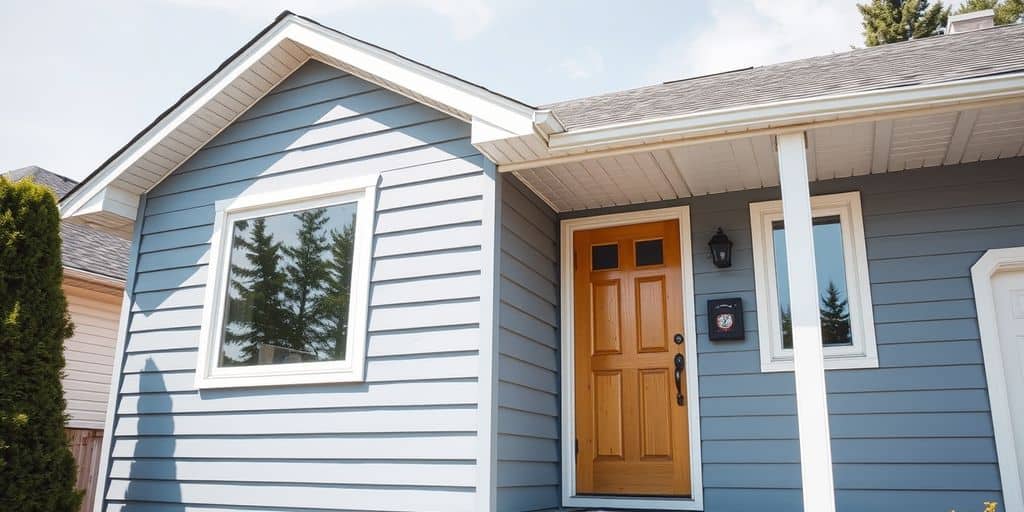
(787, 329)
(835, 316)
(37, 473)
(334, 306)
(889, 21)
(306, 271)
(257, 309)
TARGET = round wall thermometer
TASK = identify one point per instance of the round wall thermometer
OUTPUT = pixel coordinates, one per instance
(725, 319)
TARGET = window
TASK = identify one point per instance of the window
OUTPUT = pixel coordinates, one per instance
(649, 252)
(604, 257)
(844, 294)
(289, 283)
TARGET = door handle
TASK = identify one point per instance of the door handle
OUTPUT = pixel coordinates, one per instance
(680, 364)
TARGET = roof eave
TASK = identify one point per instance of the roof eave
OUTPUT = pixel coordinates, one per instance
(773, 117)
(450, 94)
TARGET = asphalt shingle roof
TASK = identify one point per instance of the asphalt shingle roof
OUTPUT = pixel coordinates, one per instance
(83, 247)
(95, 251)
(55, 182)
(933, 59)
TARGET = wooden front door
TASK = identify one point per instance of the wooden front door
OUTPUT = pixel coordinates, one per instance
(630, 382)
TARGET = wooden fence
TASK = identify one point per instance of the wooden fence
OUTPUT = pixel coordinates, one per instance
(85, 446)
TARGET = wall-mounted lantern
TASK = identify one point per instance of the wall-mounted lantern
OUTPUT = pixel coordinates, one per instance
(721, 249)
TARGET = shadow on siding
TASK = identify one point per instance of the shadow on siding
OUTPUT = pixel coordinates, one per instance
(152, 479)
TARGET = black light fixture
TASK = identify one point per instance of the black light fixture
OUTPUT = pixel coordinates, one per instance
(721, 249)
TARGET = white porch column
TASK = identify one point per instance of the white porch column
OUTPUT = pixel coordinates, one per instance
(808, 358)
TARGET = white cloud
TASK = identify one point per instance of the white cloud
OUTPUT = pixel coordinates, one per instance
(744, 33)
(467, 17)
(587, 64)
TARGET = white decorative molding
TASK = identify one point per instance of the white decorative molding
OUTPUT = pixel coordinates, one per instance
(991, 263)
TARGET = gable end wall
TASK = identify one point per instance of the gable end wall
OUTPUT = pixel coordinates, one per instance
(406, 439)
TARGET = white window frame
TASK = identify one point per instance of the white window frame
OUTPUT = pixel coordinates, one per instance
(863, 353)
(361, 191)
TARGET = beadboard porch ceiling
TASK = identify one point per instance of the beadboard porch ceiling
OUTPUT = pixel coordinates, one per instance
(835, 151)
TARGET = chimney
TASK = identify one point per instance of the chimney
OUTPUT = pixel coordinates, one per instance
(967, 22)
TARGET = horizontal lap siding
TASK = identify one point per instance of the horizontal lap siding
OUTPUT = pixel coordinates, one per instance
(914, 434)
(405, 439)
(89, 355)
(528, 360)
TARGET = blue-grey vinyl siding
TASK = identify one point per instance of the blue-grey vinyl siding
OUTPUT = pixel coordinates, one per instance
(914, 434)
(404, 440)
(528, 357)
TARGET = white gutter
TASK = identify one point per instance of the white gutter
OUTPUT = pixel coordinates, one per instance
(547, 123)
(786, 113)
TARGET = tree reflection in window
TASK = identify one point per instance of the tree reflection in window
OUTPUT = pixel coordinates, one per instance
(831, 269)
(288, 287)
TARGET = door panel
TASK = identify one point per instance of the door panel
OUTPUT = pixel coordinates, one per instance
(655, 413)
(606, 315)
(632, 435)
(652, 322)
(608, 406)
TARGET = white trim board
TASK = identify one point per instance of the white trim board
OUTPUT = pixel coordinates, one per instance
(991, 263)
(568, 430)
(487, 379)
(117, 368)
(817, 483)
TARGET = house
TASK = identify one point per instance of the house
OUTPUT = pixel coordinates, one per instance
(95, 266)
(360, 283)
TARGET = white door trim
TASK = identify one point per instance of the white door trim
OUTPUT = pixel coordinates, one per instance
(992, 262)
(569, 497)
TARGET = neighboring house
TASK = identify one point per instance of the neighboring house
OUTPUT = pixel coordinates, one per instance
(359, 283)
(95, 266)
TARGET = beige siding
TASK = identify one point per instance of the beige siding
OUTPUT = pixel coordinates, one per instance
(89, 352)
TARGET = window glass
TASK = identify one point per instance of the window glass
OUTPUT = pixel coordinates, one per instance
(288, 287)
(832, 289)
(604, 257)
(649, 252)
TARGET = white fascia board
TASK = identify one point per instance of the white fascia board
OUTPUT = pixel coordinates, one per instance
(457, 94)
(786, 113)
(482, 132)
(72, 205)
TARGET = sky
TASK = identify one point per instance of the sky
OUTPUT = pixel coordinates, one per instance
(80, 79)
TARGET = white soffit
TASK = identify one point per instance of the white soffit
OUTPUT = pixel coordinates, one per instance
(246, 77)
(745, 163)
